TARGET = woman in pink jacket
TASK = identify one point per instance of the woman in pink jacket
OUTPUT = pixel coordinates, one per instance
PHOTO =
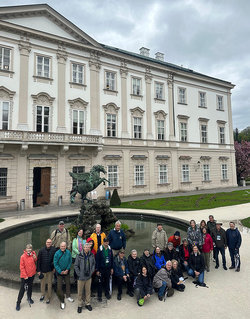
(207, 247)
(27, 274)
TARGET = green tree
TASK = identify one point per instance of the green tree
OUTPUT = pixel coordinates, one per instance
(115, 199)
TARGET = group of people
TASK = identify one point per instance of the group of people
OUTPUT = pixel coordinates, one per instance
(102, 258)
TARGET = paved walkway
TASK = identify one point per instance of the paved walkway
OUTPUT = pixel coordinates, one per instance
(227, 297)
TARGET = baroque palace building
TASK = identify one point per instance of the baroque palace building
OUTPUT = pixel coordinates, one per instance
(68, 102)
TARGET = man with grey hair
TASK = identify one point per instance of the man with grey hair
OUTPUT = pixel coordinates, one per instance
(98, 237)
(117, 238)
(134, 271)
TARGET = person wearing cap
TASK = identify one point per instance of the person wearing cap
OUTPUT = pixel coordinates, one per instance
(117, 238)
(143, 287)
(59, 235)
(171, 253)
(194, 235)
(220, 244)
(121, 271)
(147, 261)
(104, 268)
(98, 237)
(234, 243)
(184, 254)
(159, 238)
(175, 239)
(84, 268)
(45, 269)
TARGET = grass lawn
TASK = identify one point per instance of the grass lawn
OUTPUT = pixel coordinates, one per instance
(246, 222)
(1, 220)
(192, 202)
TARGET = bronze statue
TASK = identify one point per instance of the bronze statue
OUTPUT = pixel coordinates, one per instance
(87, 182)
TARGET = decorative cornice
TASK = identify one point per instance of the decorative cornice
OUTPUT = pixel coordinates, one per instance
(148, 75)
(78, 102)
(160, 112)
(94, 60)
(139, 157)
(221, 122)
(61, 55)
(205, 158)
(223, 158)
(203, 119)
(111, 105)
(162, 157)
(24, 46)
(183, 117)
(137, 109)
(6, 92)
(185, 158)
(43, 98)
(107, 157)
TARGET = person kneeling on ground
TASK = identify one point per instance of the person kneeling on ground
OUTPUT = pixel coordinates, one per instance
(62, 264)
(121, 271)
(184, 254)
(197, 267)
(28, 271)
(158, 258)
(162, 281)
(143, 287)
(84, 268)
(177, 278)
(134, 271)
(171, 253)
(147, 261)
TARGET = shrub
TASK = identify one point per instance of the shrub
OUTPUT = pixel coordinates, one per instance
(115, 199)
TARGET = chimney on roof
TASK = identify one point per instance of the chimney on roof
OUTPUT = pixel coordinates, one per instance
(159, 56)
(144, 51)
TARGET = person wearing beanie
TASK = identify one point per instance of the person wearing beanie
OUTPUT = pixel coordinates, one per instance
(175, 239)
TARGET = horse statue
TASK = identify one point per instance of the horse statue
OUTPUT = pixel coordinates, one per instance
(87, 182)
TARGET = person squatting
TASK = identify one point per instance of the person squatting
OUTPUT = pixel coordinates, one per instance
(103, 258)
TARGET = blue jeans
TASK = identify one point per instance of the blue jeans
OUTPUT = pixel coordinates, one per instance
(186, 267)
(162, 289)
(233, 252)
(200, 277)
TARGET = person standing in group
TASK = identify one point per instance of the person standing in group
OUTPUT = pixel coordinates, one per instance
(134, 271)
(59, 235)
(77, 247)
(147, 261)
(211, 225)
(203, 224)
(104, 268)
(159, 238)
(117, 238)
(184, 254)
(84, 268)
(207, 247)
(62, 264)
(194, 235)
(220, 244)
(98, 237)
(121, 271)
(143, 287)
(175, 240)
(45, 269)
(197, 267)
(234, 243)
(27, 274)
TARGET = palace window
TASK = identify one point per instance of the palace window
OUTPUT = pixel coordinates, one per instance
(77, 73)
(220, 102)
(182, 95)
(3, 181)
(206, 172)
(78, 122)
(159, 90)
(136, 86)
(4, 111)
(111, 125)
(202, 99)
(185, 172)
(137, 127)
(4, 59)
(183, 131)
(42, 118)
(203, 133)
(110, 80)
(113, 175)
(222, 134)
(139, 175)
(42, 66)
(77, 170)
(224, 171)
(163, 174)
(160, 129)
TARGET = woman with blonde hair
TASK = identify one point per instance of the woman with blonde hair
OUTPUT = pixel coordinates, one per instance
(177, 276)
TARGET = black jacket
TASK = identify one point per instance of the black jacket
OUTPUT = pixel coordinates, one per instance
(133, 266)
(45, 259)
(149, 264)
(144, 284)
(171, 254)
(175, 275)
(219, 237)
(211, 226)
(196, 262)
(101, 262)
(182, 254)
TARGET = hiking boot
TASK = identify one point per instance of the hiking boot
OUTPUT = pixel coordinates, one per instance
(99, 299)
(79, 309)
(17, 306)
(196, 282)
(225, 267)
(88, 307)
(47, 301)
(119, 297)
(160, 298)
(217, 266)
(170, 292)
(231, 267)
(203, 284)
(238, 270)
(31, 301)
(42, 298)
(108, 296)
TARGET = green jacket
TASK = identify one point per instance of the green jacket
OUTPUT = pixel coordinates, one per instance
(62, 260)
(75, 246)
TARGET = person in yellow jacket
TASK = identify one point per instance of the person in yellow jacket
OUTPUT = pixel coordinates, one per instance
(98, 237)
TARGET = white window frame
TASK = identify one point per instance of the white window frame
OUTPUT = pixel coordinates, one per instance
(43, 74)
(43, 117)
(3, 65)
(77, 73)
(222, 137)
(139, 175)
(183, 131)
(110, 83)
(202, 99)
(163, 174)
(206, 172)
(3, 181)
(79, 128)
(160, 130)
(2, 122)
(204, 138)
(159, 90)
(113, 176)
(185, 173)
(182, 95)
(137, 127)
(136, 86)
(110, 120)
(224, 172)
(220, 102)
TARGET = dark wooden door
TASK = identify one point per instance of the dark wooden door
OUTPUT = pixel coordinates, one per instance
(44, 197)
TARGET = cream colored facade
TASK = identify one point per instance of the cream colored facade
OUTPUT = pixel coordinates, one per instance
(67, 101)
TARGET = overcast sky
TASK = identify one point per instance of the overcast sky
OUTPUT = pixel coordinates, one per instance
(208, 36)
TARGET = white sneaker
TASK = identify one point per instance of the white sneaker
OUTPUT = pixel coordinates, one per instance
(62, 305)
(70, 299)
